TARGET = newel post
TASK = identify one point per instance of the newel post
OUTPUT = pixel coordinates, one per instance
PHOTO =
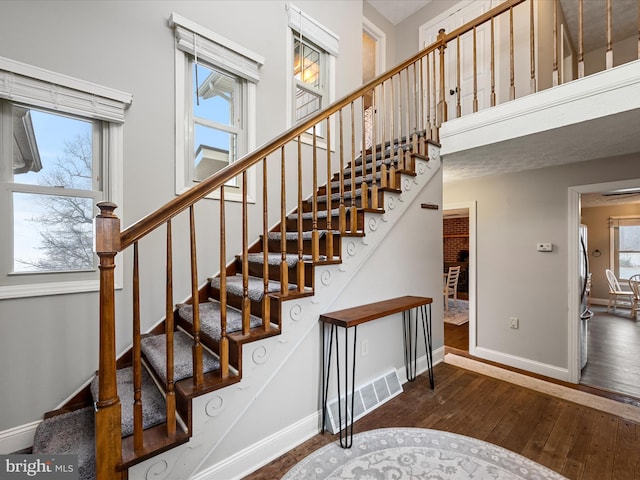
(107, 418)
(442, 104)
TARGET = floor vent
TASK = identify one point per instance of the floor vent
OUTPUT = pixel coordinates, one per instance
(367, 398)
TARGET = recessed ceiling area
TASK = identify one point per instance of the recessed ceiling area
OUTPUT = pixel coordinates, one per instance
(397, 10)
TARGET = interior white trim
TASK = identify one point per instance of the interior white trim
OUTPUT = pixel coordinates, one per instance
(527, 364)
(381, 43)
(18, 438)
(36, 86)
(215, 48)
(313, 30)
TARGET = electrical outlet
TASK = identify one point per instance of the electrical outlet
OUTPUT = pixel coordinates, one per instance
(544, 247)
(364, 347)
(514, 322)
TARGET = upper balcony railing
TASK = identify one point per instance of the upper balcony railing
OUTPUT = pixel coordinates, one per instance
(408, 102)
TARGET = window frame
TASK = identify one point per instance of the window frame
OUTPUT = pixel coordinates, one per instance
(45, 90)
(219, 53)
(614, 234)
(302, 25)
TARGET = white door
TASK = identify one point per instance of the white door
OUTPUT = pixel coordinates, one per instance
(450, 20)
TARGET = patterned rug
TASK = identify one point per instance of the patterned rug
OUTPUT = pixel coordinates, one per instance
(416, 454)
(458, 313)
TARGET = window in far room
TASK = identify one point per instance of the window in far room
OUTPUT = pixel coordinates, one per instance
(625, 238)
(215, 105)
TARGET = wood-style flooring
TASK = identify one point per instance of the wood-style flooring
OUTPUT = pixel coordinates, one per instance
(613, 352)
(576, 441)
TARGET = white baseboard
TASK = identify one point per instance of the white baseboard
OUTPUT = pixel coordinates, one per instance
(18, 438)
(523, 363)
(259, 454)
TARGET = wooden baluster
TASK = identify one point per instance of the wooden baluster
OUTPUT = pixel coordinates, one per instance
(512, 70)
(329, 240)
(458, 68)
(266, 304)
(363, 154)
(374, 151)
(475, 71)
(246, 303)
(407, 134)
(556, 79)
(442, 106)
(353, 213)
(532, 45)
(108, 410)
(224, 339)
(609, 54)
(429, 131)
(580, 39)
(342, 222)
(384, 171)
(137, 360)
(300, 272)
(492, 96)
(401, 123)
(315, 237)
(169, 325)
(198, 379)
(284, 268)
(392, 124)
(434, 117)
(422, 122)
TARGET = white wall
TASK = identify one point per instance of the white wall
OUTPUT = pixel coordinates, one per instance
(514, 212)
(129, 46)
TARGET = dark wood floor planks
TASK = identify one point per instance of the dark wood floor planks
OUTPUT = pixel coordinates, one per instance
(577, 441)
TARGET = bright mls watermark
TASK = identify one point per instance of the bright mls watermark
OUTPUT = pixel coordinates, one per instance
(52, 467)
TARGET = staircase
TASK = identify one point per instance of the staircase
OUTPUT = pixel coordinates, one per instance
(248, 297)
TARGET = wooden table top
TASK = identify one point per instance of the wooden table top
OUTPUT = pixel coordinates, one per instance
(353, 316)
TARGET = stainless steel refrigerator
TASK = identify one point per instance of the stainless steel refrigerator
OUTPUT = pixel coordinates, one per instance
(585, 285)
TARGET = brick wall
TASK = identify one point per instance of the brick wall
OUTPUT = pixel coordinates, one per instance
(453, 245)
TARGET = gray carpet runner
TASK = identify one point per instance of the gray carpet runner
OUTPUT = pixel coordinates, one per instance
(70, 433)
(294, 235)
(155, 351)
(153, 406)
(210, 318)
(256, 286)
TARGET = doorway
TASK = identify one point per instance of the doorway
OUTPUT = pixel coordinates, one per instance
(613, 340)
(458, 241)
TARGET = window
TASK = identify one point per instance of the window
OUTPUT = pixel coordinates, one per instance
(308, 72)
(313, 52)
(625, 238)
(60, 154)
(215, 104)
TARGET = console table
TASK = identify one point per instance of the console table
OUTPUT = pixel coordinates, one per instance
(351, 318)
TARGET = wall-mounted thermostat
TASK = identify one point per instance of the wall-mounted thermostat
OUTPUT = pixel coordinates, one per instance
(544, 247)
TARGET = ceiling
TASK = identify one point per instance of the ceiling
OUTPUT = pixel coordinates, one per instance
(397, 10)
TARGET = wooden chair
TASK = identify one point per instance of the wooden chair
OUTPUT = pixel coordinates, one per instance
(634, 283)
(451, 286)
(616, 291)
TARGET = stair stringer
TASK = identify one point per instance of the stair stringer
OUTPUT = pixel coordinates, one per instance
(211, 453)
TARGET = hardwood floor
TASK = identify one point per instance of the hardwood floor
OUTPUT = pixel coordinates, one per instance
(579, 442)
(613, 352)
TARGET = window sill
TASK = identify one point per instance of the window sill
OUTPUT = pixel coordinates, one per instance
(45, 289)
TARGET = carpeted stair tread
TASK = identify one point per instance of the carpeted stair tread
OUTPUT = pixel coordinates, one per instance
(153, 405)
(309, 215)
(155, 350)
(70, 433)
(294, 235)
(275, 258)
(210, 318)
(256, 286)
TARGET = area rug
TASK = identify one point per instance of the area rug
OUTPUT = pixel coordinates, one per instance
(416, 454)
(458, 313)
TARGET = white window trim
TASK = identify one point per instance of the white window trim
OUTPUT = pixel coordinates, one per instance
(327, 41)
(614, 254)
(38, 87)
(222, 53)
